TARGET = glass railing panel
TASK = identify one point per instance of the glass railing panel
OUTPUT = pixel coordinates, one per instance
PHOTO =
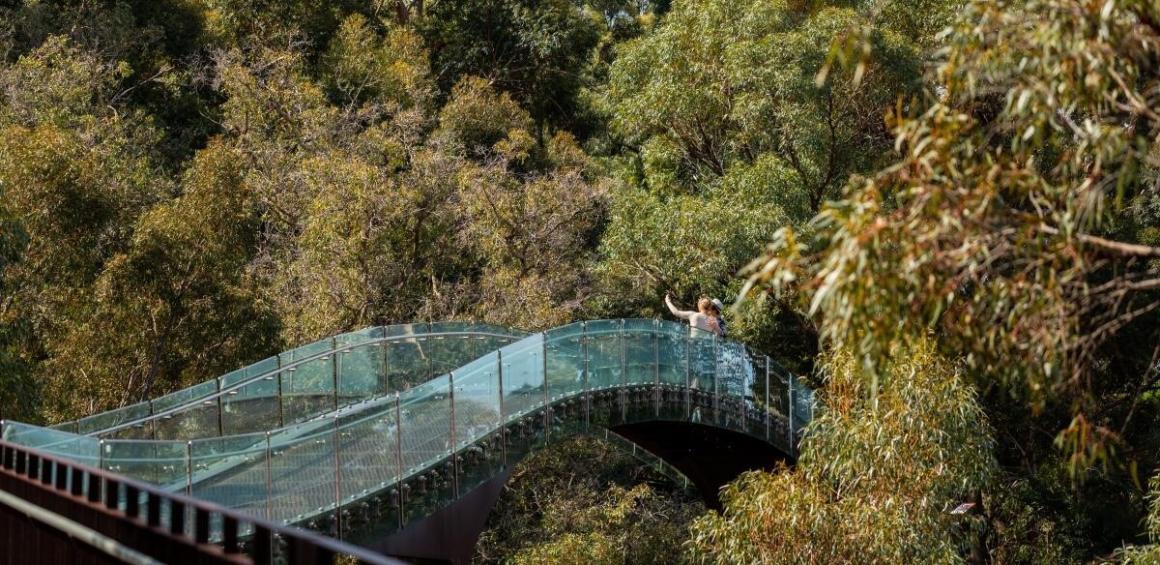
(79, 448)
(702, 360)
(735, 375)
(605, 354)
(641, 350)
(565, 362)
(449, 352)
(359, 337)
(477, 399)
(197, 421)
(302, 470)
(308, 389)
(163, 463)
(231, 471)
(523, 376)
(305, 351)
(142, 429)
(112, 418)
(368, 454)
(674, 354)
(233, 377)
(778, 388)
(425, 414)
(184, 395)
(408, 363)
(252, 407)
(361, 372)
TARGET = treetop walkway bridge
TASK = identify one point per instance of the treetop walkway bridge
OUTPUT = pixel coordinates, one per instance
(399, 438)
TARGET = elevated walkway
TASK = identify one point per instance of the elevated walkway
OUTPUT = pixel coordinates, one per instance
(367, 436)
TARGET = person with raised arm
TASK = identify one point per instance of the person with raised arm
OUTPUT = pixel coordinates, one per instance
(702, 319)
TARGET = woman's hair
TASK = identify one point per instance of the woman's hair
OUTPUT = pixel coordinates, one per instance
(705, 304)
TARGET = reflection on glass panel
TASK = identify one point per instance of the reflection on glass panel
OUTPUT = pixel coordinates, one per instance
(185, 395)
(360, 373)
(425, 415)
(112, 418)
(162, 463)
(199, 421)
(358, 337)
(565, 362)
(605, 354)
(702, 359)
(302, 470)
(308, 389)
(252, 407)
(523, 376)
(231, 471)
(82, 449)
(477, 399)
(674, 353)
(734, 373)
(368, 452)
(407, 363)
(449, 353)
(640, 352)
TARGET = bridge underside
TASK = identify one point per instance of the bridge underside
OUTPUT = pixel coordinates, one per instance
(709, 456)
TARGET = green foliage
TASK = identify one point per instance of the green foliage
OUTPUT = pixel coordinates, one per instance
(723, 86)
(878, 474)
(585, 501)
(533, 49)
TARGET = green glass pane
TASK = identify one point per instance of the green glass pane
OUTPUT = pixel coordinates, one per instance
(302, 470)
(361, 373)
(184, 396)
(113, 418)
(308, 389)
(368, 453)
(197, 421)
(674, 354)
(565, 361)
(477, 399)
(231, 471)
(251, 407)
(641, 350)
(425, 414)
(162, 463)
(605, 354)
(523, 376)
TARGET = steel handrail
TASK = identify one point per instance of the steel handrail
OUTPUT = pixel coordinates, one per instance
(293, 365)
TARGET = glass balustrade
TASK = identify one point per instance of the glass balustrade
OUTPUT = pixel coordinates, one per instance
(272, 443)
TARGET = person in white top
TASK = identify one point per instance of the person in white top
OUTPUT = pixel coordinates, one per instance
(702, 319)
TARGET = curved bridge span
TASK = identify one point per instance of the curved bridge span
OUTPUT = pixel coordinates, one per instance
(400, 438)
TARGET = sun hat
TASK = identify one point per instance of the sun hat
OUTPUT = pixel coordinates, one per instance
(719, 305)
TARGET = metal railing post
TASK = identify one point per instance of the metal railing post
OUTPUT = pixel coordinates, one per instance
(716, 379)
(281, 395)
(621, 394)
(767, 410)
(502, 415)
(269, 480)
(220, 409)
(334, 375)
(454, 443)
(399, 455)
(189, 468)
(337, 446)
(547, 394)
(789, 411)
(587, 383)
(688, 375)
(656, 369)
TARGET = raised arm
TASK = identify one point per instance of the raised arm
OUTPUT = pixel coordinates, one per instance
(683, 314)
